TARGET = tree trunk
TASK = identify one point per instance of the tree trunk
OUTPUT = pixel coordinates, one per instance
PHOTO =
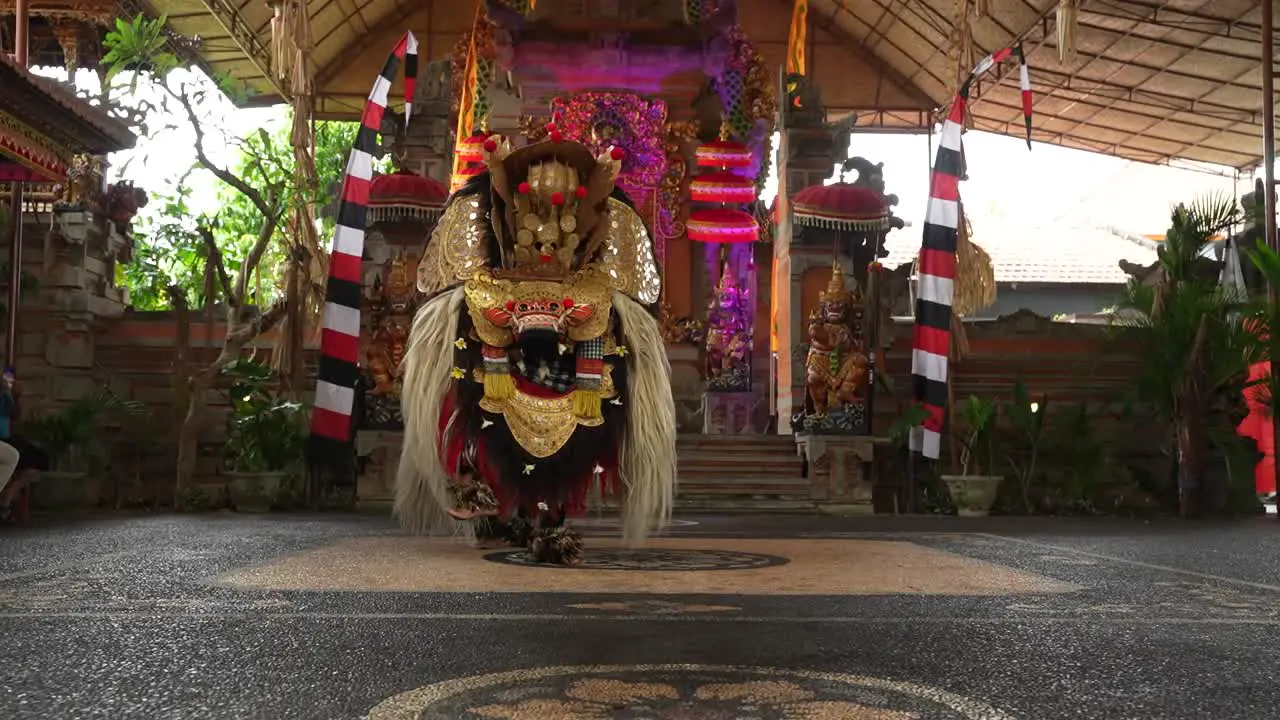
(198, 386)
(1193, 447)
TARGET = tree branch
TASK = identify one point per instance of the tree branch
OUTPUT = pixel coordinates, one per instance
(265, 203)
(255, 255)
(219, 267)
(259, 325)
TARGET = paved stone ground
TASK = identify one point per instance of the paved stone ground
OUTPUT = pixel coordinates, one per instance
(202, 617)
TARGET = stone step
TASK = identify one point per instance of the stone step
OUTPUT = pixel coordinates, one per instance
(782, 486)
(755, 474)
(737, 445)
(742, 458)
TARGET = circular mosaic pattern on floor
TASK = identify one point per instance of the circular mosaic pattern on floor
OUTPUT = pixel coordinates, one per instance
(650, 559)
(678, 692)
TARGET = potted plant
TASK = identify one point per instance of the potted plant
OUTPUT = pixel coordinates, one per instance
(265, 441)
(974, 490)
(71, 437)
(1025, 417)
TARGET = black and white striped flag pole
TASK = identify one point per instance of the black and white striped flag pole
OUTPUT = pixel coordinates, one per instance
(931, 348)
(331, 418)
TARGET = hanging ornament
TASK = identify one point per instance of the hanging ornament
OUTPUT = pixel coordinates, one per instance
(1067, 22)
(722, 187)
(722, 225)
(723, 153)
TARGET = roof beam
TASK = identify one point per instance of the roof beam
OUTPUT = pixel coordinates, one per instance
(340, 61)
(1159, 71)
(871, 33)
(1205, 140)
(246, 39)
(1090, 98)
(1040, 16)
(1094, 27)
(1015, 121)
(1150, 13)
(1150, 43)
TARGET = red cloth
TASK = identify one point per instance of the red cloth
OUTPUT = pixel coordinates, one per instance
(1258, 427)
(578, 489)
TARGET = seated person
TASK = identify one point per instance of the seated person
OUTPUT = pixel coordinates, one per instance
(26, 459)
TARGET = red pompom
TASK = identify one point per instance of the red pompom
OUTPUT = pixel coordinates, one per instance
(580, 192)
(510, 306)
(567, 303)
(490, 145)
(546, 258)
(557, 199)
(523, 188)
(617, 153)
(551, 127)
(556, 136)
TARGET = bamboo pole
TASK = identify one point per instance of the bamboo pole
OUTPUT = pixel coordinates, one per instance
(22, 21)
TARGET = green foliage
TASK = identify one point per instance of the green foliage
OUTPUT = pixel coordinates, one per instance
(70, 435)
(267, 434)
(1187, 322)
(1025, 418)
(266, 161)
(900, 431)
(138, 45)
(169, 249)
(976, 435)
(1264, 318)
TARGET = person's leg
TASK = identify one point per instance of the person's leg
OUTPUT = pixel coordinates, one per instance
(8, 464)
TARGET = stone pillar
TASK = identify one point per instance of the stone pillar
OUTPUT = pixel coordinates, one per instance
(840, 470)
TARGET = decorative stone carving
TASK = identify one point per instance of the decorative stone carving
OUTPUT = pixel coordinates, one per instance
(837, 370)
(840, 468)
(379, 452)
(729, 336)
(391, 301)
(729, 413)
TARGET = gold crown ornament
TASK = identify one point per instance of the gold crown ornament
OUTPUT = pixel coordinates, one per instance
(837, 292)
(553, 194)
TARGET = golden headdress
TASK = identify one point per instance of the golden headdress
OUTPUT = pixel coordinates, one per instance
(551, 210)
(554, 194)
(836, 291)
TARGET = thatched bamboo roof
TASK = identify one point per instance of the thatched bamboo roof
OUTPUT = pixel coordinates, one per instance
(1151, 80)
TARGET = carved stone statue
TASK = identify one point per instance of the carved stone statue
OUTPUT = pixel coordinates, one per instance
(391, 304)
(123, 201)
(729, 336)
(836, 369)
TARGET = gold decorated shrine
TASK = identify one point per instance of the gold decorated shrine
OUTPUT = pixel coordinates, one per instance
(68, 126)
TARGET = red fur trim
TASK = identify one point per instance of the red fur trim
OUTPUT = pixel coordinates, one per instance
(536, 390)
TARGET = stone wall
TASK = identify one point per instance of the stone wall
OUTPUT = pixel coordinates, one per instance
(68, 300)
(1069, 362)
